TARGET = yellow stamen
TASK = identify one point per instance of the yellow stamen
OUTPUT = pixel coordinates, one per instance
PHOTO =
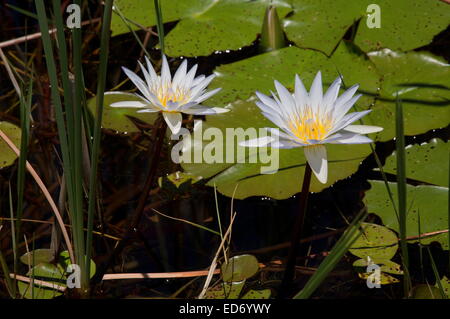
(310, 126)
(165, 93)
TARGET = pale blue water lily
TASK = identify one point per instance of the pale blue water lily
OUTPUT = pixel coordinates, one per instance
(183, 93)
(310, 120)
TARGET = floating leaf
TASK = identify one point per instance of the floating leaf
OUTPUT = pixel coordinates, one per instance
(385, 279)
(430, 201)
(116, 118)
(179, 178)
(142, 12)
(239, 268)
(445, 282)
(7, 156)
(376, 242)
(405, 25)
(37, 256)
(424, 162)
(386, 265)
(48, 273)
(258, 294)
(230, 290)
(421, 81)
(321, 24)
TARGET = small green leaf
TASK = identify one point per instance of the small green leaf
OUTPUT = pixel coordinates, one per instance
(426, 292)
(240, 268)
(7, 156)
(64, 261)
(386, 265)
(37, 256)
(376, 242)
(48, 273)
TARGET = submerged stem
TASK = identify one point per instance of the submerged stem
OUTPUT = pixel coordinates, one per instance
(296, 234)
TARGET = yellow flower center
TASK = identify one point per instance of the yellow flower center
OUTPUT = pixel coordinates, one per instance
(165, 93)
(310, 126)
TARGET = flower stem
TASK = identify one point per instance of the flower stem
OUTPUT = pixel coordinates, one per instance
(296, 235)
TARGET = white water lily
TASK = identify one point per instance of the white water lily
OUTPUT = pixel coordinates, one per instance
(172, 96)
(310, 120)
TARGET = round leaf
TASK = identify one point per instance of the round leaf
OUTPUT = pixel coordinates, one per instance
(376, 242)
(240, 268)
(7, 156)
(37, 256)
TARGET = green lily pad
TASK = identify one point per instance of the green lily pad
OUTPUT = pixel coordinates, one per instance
(205, 24)
(142, 12)
(426, 292)
(115, 118)
(445, 282)
(46, 272)
(209, 31)
(430, 201)
(386, 265)
(377, 242)
(7, 156)
(385, 279)
(321, 24)
(405, 25)
(37, 256)
(239, 268)
(258, 294)
(230, 290)
(179, 178)
(424, 162)
(422, 82)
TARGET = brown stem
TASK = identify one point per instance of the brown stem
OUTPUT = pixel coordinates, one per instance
(296, 235)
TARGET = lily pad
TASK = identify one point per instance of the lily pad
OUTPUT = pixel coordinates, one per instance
(386, 265)
(426, 162)
(46, 272)
(239, 268)
(115, 118)
(205, 24)
(422, 83)
(405, 25)
(321, 24)
(142, 12)
(430, 201)
(7, 156)
(385, 279)
(37, 256)
(445, 282)
(376, 242)
(258, 294)
(227, 290)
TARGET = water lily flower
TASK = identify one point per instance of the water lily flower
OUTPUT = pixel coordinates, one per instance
(310, 120)
(172, 96)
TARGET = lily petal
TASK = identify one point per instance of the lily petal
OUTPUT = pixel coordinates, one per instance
(204, 110)
(363, 129)
(317, 158)
(135, 104)
(348, 138)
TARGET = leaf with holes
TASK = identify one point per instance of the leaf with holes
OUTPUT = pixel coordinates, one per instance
(425, 163)
(376, 242)
(430, 201)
